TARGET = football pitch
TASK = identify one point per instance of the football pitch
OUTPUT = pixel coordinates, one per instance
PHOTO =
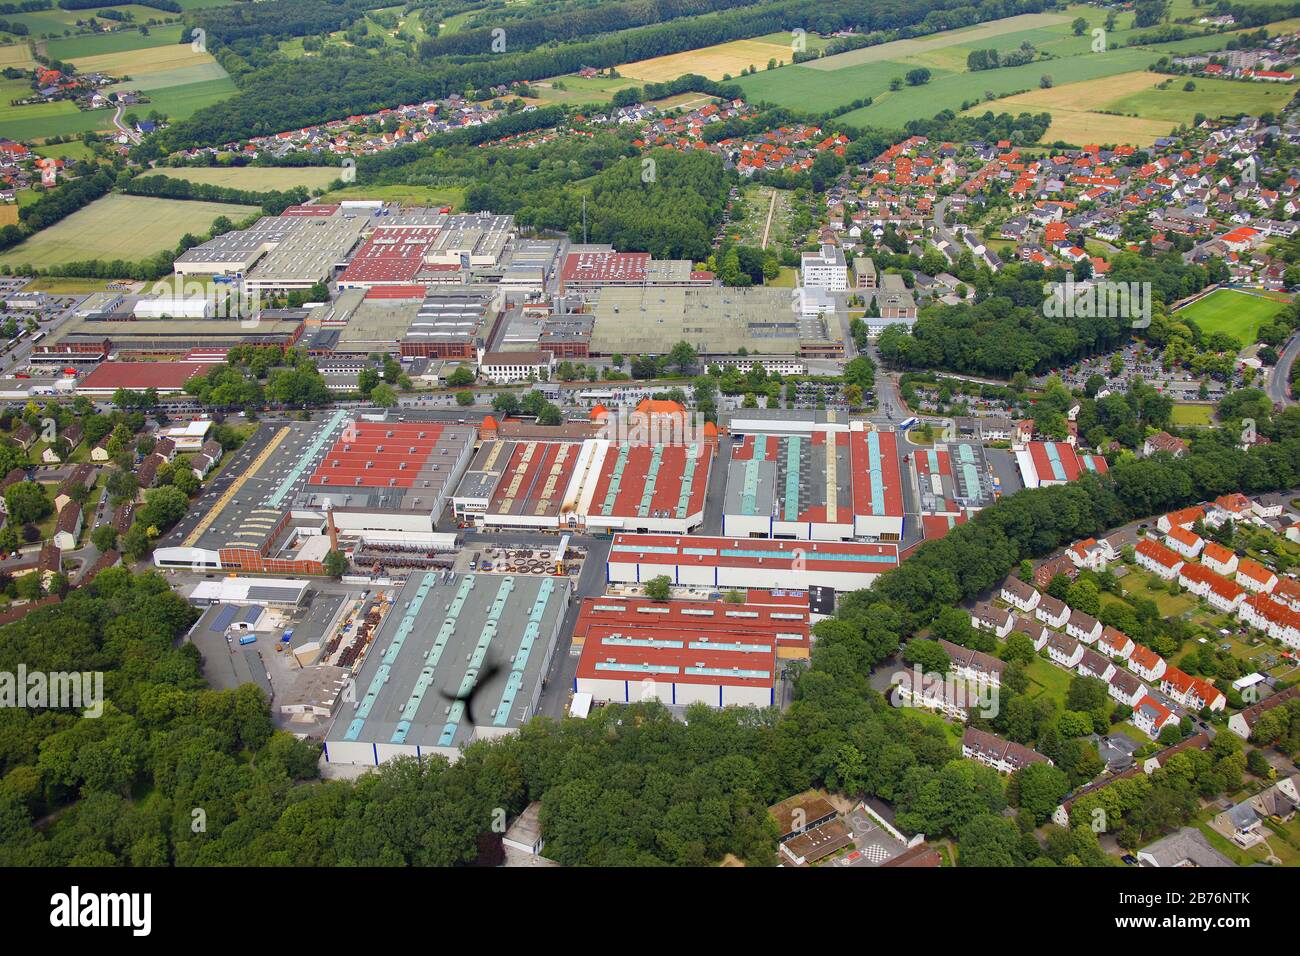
(1240, 314)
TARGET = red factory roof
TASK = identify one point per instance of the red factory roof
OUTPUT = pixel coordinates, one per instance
(534, 478)
(142, 375)
(734, 660)
(703, 551)
(1072, 463)
(605, 267)
(786, 621)
(668, 480)
(390, 256)
(367, 451)
(877, 484)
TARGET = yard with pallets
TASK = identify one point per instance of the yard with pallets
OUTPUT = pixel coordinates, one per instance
(120, 227)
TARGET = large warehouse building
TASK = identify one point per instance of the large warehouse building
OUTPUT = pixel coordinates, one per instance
(748, 562)
(813, 479)
(952, 479)
(1046, 463)
(458, 658)
(588, 483)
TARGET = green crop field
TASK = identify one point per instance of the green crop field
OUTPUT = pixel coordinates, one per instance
(96, 44)
(121, 227)
(835, 81)
(1240, 314)
(256, 178)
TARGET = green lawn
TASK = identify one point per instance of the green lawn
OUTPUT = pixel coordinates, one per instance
(1135, 584)
(1193, 415)
(1237, 313)
(1046, 678)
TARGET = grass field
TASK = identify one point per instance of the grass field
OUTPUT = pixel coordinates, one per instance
(99, 44)
(256, 178)
(1193, 414)
(1080, 79)
(1240, 314)
(711, 61)
(16, 54)
(121, 227)
(578, 90)
(409, 195)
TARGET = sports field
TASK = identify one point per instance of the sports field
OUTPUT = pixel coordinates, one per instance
(256, 178)
(724, 59)
(1192, 415)
(121, 227)
(1240, 314)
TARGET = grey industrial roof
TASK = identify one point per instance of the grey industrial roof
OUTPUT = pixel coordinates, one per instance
(443, 633)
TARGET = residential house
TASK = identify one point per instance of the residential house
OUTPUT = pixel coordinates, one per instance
(67, 527)
(83, 475)
(1019, 594)
(1164, 442)
(986, 617)
(1243, 724)
(1004, 756)
(1277, 620)
(206, 459)
(973, 665)
(1052, 611)
(1150, 716)
(1185, 543)
(937, 695)
(1064, 651)
(1183, 518)
(1083, 627)
(1035, 630)
(1146, 663)
(1114, 643)
(1219, 559)
(1241, 824)
(1194, 693)
(1221, 593)
(1061, 564)
(1156, 558)
(1254, 577)
(1126, 688)
(1092, 664)
(1187, 847)
(1091, 554)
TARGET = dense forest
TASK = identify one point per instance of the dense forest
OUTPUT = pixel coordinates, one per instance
(1006, 331)
(666, 202)
(629, 786)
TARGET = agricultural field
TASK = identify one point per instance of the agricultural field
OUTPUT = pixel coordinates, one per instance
(57, 22)
(1153, 105)
(256, 178)
(1240, 314)
(176, 79)
(715, 62)
(835, 81)
(121, 227)
(16, 55)
(98, 44)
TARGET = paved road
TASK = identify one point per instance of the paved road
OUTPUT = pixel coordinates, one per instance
(1281, 374)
